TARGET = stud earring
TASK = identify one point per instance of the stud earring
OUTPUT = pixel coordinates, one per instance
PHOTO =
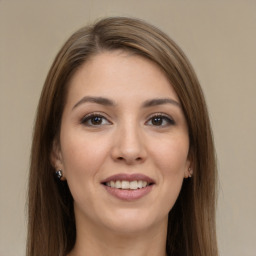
(190, 171)
(59, 174)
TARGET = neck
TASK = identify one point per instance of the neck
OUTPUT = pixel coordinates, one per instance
(94, 242)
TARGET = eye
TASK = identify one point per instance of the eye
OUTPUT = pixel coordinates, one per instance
(94, 119)
(160, 120)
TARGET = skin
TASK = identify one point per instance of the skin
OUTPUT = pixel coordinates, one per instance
(126, 139)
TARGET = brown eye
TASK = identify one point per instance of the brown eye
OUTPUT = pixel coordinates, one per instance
(157, 120)
(160, 120)
(94, 120)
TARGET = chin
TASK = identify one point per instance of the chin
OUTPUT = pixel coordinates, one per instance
(127, 222)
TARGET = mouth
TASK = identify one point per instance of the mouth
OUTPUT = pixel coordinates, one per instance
(128, 186)
(125, 184)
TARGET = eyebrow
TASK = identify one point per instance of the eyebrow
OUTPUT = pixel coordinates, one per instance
(98, 100)
(156, 102)
(108, 102)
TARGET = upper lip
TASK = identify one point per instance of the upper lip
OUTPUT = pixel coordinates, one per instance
(129, 177)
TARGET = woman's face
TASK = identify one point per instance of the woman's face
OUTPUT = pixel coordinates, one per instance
(123, 144)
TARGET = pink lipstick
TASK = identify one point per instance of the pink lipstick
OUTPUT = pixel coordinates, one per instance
(128, 186)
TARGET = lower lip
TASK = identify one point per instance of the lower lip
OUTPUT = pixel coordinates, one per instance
(129, 194)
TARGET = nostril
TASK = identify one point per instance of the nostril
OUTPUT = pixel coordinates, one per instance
(129, 159)
(122, 158)
(138, 159)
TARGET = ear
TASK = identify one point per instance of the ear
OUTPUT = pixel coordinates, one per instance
(188, 173)
(56, 156)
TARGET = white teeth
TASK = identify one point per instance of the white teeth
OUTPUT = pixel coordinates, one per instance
(133, 184)
(124, 184)
(117, 184)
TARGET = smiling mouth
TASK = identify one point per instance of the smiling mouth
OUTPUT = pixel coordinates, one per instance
(126, 181)
(128, 185)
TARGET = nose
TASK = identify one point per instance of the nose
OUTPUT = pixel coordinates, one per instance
(129, 146)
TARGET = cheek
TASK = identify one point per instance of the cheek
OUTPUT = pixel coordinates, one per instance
(82, 161)
(82, 156)
(172, 157)
(171, 162)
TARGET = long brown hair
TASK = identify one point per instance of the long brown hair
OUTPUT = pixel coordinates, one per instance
(51, 222)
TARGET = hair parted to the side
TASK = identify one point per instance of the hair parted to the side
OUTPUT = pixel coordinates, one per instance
(51, 223)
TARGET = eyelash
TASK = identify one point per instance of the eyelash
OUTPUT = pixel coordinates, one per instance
(169, 121)
(87, 120)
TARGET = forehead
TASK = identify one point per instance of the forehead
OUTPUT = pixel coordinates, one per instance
(119, 74)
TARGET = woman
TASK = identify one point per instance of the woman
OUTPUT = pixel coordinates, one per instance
(122, 158)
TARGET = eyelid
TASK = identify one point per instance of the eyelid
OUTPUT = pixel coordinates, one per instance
(94, 114)
(170, 119)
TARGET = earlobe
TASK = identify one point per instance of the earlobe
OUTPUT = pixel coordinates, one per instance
(56, 156)
(189, 170)
(188, 173)
(59, 175)
(56, 161)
